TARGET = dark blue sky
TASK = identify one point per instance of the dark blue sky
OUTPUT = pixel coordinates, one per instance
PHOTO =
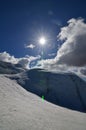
(23, 21)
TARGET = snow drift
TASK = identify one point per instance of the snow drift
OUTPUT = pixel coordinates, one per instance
(22, 110)
(64, 89)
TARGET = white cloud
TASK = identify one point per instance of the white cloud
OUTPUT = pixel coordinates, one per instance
(33, 57)
(73, 50)
(52, 54)
(24, 61)
(4, 56)
(71, 56)
(31, 46)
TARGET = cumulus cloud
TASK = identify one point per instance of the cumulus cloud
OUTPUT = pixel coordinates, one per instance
(73, 50)
(31, 46)
(51, 65)
(71, 56)
(4, 56)
(24, 61)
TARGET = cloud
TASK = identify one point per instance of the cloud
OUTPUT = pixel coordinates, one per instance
(31, 46)
(24, 61)
(52, 54)
(73, 50)
(71, 56)
(52, 66)
(4, 56)
(83, 71)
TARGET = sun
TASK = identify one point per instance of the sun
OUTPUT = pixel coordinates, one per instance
(42, 40)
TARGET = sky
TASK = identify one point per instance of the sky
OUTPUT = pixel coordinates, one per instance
(23, 22)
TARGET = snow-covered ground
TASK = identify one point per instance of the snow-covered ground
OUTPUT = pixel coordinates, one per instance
(64, 89)
(22, 110)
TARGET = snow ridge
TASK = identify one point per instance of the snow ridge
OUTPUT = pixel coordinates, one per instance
(66, 90)
(22, 110)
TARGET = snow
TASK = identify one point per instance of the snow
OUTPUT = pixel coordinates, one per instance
(22, 110)
(64, 89)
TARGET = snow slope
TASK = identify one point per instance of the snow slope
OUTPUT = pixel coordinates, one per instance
(64, 89)
(22, 110)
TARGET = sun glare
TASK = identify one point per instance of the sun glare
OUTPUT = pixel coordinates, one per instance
(42, 40)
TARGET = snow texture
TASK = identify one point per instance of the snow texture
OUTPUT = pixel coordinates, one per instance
(22, 110)
(64, 89)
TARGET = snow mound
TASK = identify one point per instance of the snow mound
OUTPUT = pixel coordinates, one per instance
(22, 110)
(64, 89)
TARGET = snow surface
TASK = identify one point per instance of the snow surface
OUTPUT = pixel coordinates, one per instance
(64, 89)
(22, 110)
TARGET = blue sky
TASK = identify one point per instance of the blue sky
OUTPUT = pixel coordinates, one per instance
(23, 22)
